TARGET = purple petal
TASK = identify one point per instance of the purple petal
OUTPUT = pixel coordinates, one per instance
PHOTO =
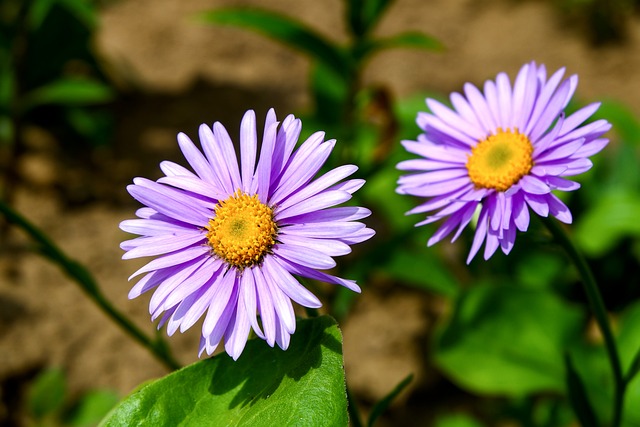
(248, 148)
(440, 188)
(538, 203)
(430, 123)
(311, 273)
(559, 209)
(481, 233)
(453, 120)
(289, 285)
(158, 245)
(221, 299)
(169, 202)
(178, 276)
(343, 213)
(211, 268)
(281, 304)
(237, 332)
(492, 244)
(173, 259)
(214, 154)
(577, 118)
(228, 154)
(247, 300)
(152, 227)
(542, 103)
(431, 151)
(195, 185)
(463, 108)
(326, 246)
(305, 256)
(213, 339)
(480, 108)
(174, 169)
(551, 111)
(561, 151)
(315, 203)
(286, 140)
(265, 306)
(303, 166)
(504, 99)
(320, 184)
(195, 158)
(558, 183)
(264, 164)
(520, 212)
(325, 230)
(533, 185)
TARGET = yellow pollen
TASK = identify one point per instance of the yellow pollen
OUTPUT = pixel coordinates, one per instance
(501, 160)
(242, 231)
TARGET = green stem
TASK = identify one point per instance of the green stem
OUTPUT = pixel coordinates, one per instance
(88, 284)
(600, 313)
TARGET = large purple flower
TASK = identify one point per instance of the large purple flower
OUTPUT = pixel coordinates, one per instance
(500, 153)
(230, 239)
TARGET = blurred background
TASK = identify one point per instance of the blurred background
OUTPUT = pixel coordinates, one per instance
(93, 93)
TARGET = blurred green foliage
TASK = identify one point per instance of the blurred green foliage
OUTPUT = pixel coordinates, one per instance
(50, 76)
(48, 403)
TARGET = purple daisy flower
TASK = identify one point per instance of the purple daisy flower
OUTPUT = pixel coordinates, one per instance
(229, 239)
(500, 153)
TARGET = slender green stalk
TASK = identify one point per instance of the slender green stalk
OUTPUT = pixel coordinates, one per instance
(600, 313)
(85, 280)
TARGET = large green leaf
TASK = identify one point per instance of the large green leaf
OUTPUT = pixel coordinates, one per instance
(266, 386)
(285, 30)
(507, 340)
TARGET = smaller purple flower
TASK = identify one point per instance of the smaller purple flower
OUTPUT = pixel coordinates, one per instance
(230, 239)
(499, 154)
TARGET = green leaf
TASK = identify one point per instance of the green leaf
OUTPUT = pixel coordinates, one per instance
(39, 11)
(507, 340)
(330, 92)
(423, 268)
(634, 368)
(614, 216)
(624, 121)
(629, 340)
(92, 407)
(411, 39)
(457, 420)
(82, 10)
(284, 30)
(266, 386)
(70, 92)
(363, 15)
(578, 396)
(47, 393)
(383, 404)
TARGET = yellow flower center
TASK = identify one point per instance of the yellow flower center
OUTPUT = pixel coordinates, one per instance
(501, 160)
(242, 231)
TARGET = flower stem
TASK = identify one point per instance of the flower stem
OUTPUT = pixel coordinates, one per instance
(86, 281)
(600, 313)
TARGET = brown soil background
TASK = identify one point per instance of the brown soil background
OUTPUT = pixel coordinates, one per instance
(176, 73)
